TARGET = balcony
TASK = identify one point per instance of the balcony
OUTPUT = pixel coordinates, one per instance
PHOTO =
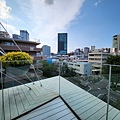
(23, 48)
(53, 98)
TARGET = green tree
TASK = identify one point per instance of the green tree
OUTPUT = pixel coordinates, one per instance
(115, 70)
(49, 70)
(67, 72)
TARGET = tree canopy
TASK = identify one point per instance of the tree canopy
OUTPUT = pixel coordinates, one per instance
(115, 70)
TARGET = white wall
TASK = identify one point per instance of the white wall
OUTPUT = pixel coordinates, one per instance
(83, 68)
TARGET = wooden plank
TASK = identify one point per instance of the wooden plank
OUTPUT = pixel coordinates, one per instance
(91, 111)
(58, 115)
(69, 116)
(18, 100)
(78, 101)
(40, 101)
(82, 103)
(48, 114)
(13, 107)
(56, 101)
(6, 105)
(111, 114)
(45, 109)
(27, 94)
(72, 93)
(117, 117)
(23, 97)
(86, 107)
(74, 119)
(99, 113)
(77, 98)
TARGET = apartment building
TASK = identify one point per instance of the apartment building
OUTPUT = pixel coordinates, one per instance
(116, 44)
(97, 58)
(8, 45)
(46, 50)
(82, 68)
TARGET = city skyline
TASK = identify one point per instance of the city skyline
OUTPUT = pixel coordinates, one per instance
(87, 22)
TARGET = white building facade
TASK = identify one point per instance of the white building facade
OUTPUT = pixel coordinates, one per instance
(82, 68)
(97, 58)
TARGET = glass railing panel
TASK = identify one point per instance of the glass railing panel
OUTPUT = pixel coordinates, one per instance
(27, 87)
(85, 94)
(114, 92)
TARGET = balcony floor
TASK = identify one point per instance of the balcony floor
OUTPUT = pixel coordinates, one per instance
(54, 110)
(20, 99)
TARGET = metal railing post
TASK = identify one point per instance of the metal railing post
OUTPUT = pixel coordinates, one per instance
(59, 77)
(108, 92)
(2, 86)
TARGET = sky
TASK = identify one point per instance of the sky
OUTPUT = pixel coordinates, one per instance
(87, 22)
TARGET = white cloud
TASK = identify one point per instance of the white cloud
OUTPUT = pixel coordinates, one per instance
(4, 10)
(82, 16)
(48, 17)
(96, 3)
(49, 2)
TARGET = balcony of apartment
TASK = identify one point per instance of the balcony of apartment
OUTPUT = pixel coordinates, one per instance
(53, 98)
(23, 48)
(95, 56)
(94, 61)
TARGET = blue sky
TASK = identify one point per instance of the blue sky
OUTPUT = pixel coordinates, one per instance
(87, 22)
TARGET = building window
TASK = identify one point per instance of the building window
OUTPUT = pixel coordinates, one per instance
(9, 44)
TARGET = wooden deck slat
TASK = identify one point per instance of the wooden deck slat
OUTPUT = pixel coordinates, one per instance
(56, 116)
(19, 102)
(56, 101)
(91, 111)
(112, 113)
(13, 107)
(67, 117)
(48, 114)
(27, 94)
(87, 106)
(117, 117)
(23, 97)
(81, 103)
(6, 105)
(78, 98)
(39, 102)
(45, 109)
(99, 113)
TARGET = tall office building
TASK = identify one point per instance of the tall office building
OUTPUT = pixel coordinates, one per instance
(116, 44)
(46, 50)
(92, 48)
(24, 35)
(15, 36)
(86, 51)
(62, 43)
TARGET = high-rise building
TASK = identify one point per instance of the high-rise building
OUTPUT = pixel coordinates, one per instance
(62, 43)
(24, 35)
(46, 50)
(86, 51)
(116, 44)
(15, 36)
(92, 48)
